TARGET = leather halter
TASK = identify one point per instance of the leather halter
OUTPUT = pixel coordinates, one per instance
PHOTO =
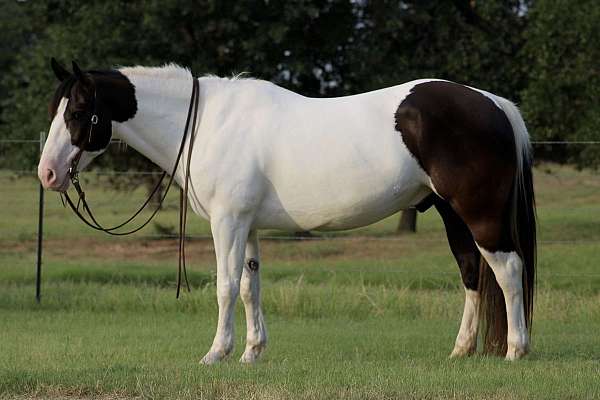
(93, 223)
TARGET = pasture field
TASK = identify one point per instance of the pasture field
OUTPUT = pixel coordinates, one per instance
(361, 315)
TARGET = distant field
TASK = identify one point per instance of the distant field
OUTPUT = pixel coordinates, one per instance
(365, 314)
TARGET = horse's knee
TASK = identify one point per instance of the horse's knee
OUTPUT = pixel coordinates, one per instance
(227, 291)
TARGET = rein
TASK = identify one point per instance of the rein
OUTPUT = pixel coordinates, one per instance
(91, 221)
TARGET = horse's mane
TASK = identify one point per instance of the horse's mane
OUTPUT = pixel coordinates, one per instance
(167, 71)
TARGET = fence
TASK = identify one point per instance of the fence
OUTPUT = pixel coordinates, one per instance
(41, 213)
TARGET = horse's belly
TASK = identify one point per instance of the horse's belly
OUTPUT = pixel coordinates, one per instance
(336, 204)
(368, 212)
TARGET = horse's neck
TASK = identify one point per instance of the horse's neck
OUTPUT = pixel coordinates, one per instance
(157, 127)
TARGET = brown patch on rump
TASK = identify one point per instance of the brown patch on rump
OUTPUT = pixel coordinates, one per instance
(466, 145)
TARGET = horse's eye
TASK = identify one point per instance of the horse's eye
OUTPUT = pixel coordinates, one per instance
(77, 115)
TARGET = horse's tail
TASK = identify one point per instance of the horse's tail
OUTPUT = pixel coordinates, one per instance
(523, 234)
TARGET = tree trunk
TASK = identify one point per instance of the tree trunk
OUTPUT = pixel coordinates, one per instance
(408, 221)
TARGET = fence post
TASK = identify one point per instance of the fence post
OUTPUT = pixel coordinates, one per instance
(38, 278)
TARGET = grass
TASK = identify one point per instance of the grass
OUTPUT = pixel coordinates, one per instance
(363, 315)
(154, 355)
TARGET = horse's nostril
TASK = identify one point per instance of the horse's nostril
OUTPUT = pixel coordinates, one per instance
(50, 176)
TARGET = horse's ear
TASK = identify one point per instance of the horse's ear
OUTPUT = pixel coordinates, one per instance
(77, 70)
(60, 71)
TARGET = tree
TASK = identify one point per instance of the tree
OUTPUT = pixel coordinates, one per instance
(562, 98)
(477, 43)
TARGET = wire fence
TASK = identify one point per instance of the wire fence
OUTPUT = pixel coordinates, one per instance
(281, 237)
(141, 173)
(320, 237)
(534, 142)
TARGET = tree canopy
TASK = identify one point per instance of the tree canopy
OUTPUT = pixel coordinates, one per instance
(562, 97)
(542, 54)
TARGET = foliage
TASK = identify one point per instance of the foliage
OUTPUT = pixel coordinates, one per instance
(315, 47)
(562, 98)
(476, 43)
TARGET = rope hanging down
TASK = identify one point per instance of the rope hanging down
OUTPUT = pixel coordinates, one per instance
(93, 223)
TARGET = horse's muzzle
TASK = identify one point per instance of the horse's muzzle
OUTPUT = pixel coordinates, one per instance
(52, 179)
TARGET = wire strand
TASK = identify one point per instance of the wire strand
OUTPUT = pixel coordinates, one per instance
(534, 142)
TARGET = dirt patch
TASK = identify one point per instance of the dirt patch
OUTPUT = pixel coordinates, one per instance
(202, 250)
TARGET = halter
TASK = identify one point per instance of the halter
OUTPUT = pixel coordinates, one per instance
(93, 223)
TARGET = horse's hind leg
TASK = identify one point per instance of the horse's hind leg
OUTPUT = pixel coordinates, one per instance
(507, 332)
(468, 257)
(256, 334)
(508, 270)
(500, 286)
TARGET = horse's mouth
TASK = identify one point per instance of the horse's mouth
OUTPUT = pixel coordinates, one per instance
(63, 186)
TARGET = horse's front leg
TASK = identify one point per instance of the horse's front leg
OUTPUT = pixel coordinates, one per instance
(230, 234)
(256, 336)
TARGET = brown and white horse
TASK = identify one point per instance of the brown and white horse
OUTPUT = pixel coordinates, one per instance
(265, 157)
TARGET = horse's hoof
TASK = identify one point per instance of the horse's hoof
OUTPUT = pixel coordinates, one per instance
(460, 352)
(252, 354)
(209, 359)
(213, 357)
(515, 353)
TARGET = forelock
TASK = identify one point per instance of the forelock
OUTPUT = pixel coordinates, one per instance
(62, 91)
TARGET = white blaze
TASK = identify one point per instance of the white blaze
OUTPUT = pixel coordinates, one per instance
(58, 150)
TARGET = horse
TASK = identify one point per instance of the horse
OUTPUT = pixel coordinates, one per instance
(265, 157)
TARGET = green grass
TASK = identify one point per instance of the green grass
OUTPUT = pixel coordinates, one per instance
(364, 315)
(154, 354)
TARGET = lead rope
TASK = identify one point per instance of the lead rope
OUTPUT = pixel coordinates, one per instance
(93, 222)
(183, 202)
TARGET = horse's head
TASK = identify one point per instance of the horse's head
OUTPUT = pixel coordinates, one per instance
(82, 111)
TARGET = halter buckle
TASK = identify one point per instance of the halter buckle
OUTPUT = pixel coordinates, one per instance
(73, 174)
(94, 119)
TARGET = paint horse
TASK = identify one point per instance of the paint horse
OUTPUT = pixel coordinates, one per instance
(266, 157)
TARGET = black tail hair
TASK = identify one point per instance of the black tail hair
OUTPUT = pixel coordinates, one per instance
(492, 309)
